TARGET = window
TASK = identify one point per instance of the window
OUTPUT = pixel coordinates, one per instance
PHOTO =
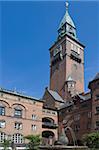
(77, 117)
(89, 114)
(84, 105)
(2, 110)
(75, 48)
(18, 126)
(54, 113)
(18, 138)
(97, 110)
(97, 97)
(78, 50)
(43, 111)
(75, 67)
(18, 113)
(97, 125)
(1, 94)
(2, 124)
(71, 85)
(89, 125)
(2, 137)
(48, 112)
(34, 127)
(72, 46)
(34, 117)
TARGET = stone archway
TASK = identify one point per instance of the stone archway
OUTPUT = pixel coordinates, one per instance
(48, 137)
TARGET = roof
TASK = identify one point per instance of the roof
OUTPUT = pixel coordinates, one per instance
(85, 97)
(56, 96)
(15, 93)
(70, 79)
(97, 76)
(66, 104)
(66, 19)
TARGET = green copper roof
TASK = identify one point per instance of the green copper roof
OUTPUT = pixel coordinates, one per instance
(67, 25)
(66, 19)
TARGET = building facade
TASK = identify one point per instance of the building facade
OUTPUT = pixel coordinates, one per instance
(63, 104)
(81, 113)
(94, 87)
(22, 115)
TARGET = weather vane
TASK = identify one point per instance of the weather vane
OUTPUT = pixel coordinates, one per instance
(67, 5)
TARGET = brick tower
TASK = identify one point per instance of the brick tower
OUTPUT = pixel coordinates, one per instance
(67, 60)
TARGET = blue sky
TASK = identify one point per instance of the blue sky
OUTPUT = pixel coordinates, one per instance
(28, 29)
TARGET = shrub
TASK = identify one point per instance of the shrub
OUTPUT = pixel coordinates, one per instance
(34, 141)
(92, 140)
(6, 144)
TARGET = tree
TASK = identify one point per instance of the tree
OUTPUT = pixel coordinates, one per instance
(6, 144)
(34, 141)
(92, 140)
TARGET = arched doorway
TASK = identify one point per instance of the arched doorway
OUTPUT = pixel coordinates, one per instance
(48, 138)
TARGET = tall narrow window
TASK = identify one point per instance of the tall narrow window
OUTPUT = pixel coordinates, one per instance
(97, 110)
(2, 124)
(78, 50)
(34, 117)
(2, 137)
(34, 127)
(77, 117)
(97, 125)
(2, 110)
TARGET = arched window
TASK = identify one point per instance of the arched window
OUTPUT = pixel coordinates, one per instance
(18, 112)
(18, 138)
(2, 137)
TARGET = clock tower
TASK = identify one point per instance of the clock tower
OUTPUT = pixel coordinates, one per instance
(67, 60)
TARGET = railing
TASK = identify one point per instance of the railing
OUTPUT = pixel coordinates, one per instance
(75, 56)
(49, 125)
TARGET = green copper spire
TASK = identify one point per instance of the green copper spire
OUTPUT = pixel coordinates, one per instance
(67, 25)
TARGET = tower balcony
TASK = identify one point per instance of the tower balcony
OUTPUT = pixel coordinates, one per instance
(75, 56)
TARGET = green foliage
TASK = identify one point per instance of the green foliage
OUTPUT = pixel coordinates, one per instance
(92, 140)
(6, 144)
(34, 141)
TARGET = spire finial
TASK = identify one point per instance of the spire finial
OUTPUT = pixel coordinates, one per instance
(67, 6)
